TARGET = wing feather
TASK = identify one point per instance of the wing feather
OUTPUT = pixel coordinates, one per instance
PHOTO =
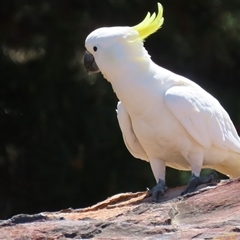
(129, 137)
(203, 117)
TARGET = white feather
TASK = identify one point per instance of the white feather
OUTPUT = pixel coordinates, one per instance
(164, 118)
(203, 117)
(129, 137)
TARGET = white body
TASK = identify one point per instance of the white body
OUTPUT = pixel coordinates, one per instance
(165, 118)
(174, 122)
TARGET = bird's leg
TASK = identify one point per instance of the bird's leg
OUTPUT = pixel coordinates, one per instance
(158, 168)
(195, 160)
(196, 181)
(158, 190)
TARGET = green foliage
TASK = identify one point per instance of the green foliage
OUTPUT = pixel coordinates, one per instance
(60, 144)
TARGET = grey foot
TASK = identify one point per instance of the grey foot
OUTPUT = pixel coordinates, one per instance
(196, 181)
(158, 190)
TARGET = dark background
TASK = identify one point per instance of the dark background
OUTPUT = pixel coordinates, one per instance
(60, 143)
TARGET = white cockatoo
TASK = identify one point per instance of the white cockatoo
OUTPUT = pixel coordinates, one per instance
(165, 119)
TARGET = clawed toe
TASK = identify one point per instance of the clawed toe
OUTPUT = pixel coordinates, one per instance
(196, 181)
(158, 190)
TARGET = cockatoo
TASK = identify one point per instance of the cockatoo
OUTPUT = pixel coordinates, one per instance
(165, 119)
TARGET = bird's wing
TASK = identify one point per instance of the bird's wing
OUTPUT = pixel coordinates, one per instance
(203, 117)
(130, 139)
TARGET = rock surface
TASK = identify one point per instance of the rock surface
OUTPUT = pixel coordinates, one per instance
(210, 213)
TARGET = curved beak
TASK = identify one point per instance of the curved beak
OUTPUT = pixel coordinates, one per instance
(89, 63)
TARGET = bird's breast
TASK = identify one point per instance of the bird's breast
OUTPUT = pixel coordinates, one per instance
(159, 133)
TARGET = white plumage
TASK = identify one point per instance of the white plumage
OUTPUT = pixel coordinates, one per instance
(165, 118)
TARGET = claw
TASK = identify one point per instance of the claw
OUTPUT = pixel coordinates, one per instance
(196, 181)
(158, 190)
(211, 178)
(149, 192)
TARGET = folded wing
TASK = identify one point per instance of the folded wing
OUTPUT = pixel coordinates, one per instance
(203, 117)
(129, 137)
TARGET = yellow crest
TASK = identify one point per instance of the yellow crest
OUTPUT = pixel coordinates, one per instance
(150, 24)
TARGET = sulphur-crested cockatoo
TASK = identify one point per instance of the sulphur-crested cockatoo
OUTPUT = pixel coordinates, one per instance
(165, 118)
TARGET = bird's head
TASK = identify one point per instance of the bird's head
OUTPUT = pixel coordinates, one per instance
(108, 45)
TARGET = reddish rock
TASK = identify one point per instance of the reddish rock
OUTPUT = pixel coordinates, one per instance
(210, 213)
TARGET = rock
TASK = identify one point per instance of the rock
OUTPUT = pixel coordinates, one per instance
(210, 213)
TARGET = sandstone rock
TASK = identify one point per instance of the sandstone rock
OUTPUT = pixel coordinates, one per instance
(210, 213)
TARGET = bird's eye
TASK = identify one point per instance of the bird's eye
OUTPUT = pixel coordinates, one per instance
(94, 48)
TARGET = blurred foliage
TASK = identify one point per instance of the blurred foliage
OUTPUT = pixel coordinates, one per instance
(60, 144)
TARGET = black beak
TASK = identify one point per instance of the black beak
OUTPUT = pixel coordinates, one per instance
(89, 63)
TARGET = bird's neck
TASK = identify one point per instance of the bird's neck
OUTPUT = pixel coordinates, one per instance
(134, 81)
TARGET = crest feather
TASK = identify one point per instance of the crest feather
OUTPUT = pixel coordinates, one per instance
(150, 24)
